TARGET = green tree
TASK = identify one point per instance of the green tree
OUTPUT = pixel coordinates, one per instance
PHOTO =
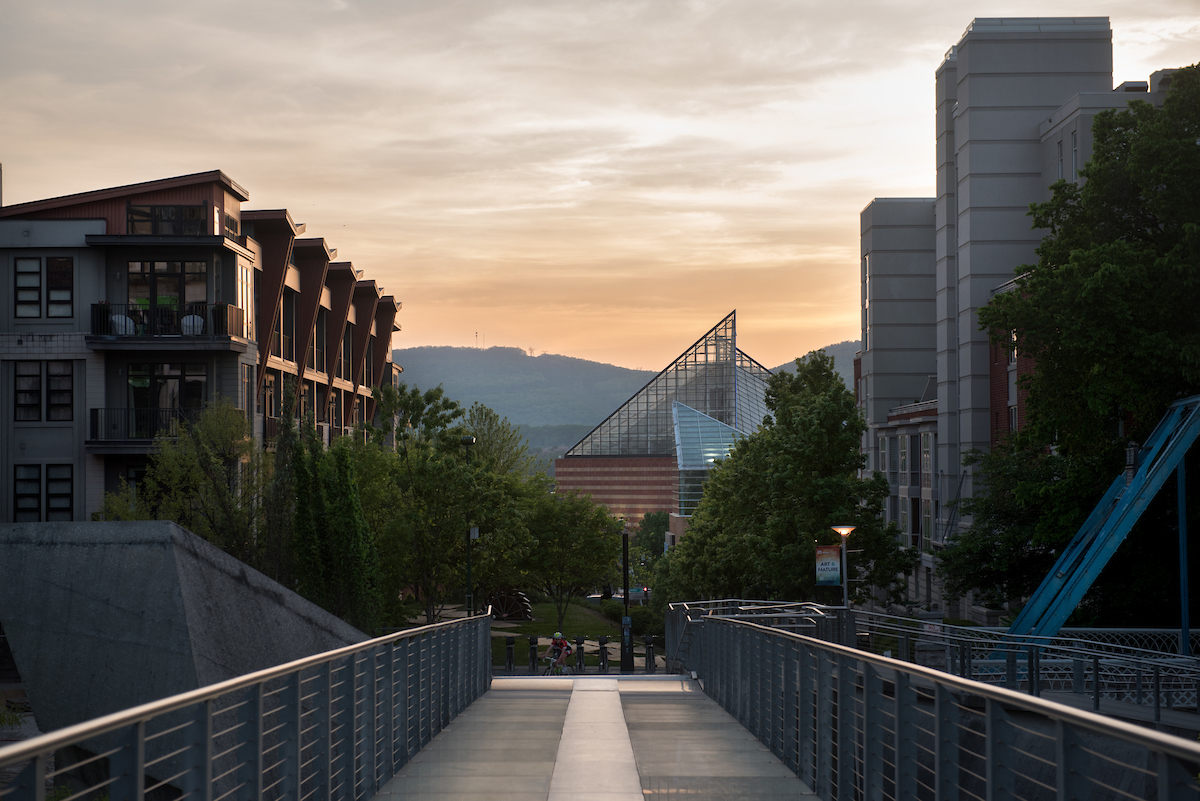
(336, 558)
(577, 544)
(777, 495)
(1110, 314)
(499, 446)
(209, 478)
(650, 537)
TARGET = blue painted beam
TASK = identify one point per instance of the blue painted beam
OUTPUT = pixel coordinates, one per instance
(1109, 523)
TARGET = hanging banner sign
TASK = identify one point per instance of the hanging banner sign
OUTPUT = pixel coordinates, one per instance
(829, 565)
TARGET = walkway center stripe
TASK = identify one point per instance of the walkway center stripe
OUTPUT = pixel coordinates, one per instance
(595, 757)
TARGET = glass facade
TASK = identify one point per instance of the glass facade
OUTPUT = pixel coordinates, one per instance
(712, 377)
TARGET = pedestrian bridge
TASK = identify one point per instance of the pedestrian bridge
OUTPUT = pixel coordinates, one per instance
(763, 711)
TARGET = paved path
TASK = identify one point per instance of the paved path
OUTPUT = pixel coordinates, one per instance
(607, 739)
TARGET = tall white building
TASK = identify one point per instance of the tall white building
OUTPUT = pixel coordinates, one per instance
(1014, 102)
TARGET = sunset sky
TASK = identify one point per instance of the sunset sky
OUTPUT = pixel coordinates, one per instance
(602, 179)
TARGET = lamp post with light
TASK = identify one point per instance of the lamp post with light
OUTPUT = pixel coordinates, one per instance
(467, 442)
(845, 532)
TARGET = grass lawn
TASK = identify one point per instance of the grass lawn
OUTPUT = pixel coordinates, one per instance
(581, 621)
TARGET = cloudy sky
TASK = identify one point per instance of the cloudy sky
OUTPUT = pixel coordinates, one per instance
(604, 179)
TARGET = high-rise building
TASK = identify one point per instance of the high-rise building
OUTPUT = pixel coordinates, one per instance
(1014, 102)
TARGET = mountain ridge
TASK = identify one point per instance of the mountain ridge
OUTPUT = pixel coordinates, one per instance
(546, 389)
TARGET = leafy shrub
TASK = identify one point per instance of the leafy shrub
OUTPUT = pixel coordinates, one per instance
(645, 622)
(613, 610)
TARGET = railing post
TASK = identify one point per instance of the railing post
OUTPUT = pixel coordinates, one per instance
(250, 750)
(1066, 771)
(998, 741)
(905, 733)
(289, 737)
(127, 767)
(1095, 683)
(370, 738)
(603, 642)
(580, 665)
(845, 726)
(388, 727)
(789, 726)
(873, 734)
(826, 725)
(510, 654)
(533, 655)
(196, 784)
(806, 746)
(945, 743)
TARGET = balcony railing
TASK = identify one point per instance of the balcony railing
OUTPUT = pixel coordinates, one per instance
(126, 424)
(191, 320)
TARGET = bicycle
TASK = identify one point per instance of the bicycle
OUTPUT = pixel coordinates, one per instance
(555, 669)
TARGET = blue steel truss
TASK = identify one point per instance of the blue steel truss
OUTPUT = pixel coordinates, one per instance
(1110, 522)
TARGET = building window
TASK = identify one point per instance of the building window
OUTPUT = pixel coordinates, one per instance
(168, 220)
(59, 486)
(231, 225)
(28, 401)
(927, 459)
(1074, 156)
(904, 461)
(27, 493)
(1012, 347)
(59, 391)
(167, 283)
(1012, 418)
(1060, 160)
(60, 287)
(28, 280)
(167, 386)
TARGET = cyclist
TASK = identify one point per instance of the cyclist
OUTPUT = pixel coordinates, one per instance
(560, 647)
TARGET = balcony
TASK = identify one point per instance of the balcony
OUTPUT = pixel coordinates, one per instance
(193, 320)
(137, 425)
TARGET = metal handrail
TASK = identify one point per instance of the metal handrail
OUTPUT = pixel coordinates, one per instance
(39, 749)
(855, 724)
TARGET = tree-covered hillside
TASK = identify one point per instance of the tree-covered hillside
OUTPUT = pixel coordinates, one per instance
(528, 390)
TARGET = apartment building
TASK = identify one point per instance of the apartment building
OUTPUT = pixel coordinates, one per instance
(128, 309)
(1014, 101)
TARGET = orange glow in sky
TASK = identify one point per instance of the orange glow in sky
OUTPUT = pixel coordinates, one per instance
(598, 179)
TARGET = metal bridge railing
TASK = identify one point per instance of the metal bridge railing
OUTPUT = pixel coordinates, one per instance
(335, 725)
(854, 725)
(1103, 670)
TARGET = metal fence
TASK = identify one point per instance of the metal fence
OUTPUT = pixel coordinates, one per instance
(1102, 668)
(333, 726)
(854, 725)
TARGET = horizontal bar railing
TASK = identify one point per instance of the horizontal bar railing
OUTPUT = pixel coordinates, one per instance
(336, 725)
(855, 725)
(1103, 670)
(126, 424)
(153, 320)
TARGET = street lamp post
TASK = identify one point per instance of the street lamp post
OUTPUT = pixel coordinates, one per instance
(467, 442)
(845, 532)
(626, 621)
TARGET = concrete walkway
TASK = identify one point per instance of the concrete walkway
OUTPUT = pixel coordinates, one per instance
(609, 739)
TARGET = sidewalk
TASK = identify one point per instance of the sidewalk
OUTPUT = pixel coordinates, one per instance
(606, 738)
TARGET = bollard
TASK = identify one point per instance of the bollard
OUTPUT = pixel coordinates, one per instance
(533, 655)
(510, 654)
(603, 654)
(650, 666)
(579, 664)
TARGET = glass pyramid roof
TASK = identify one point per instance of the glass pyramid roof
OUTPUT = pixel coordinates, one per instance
(699, 439)
(712, 377)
